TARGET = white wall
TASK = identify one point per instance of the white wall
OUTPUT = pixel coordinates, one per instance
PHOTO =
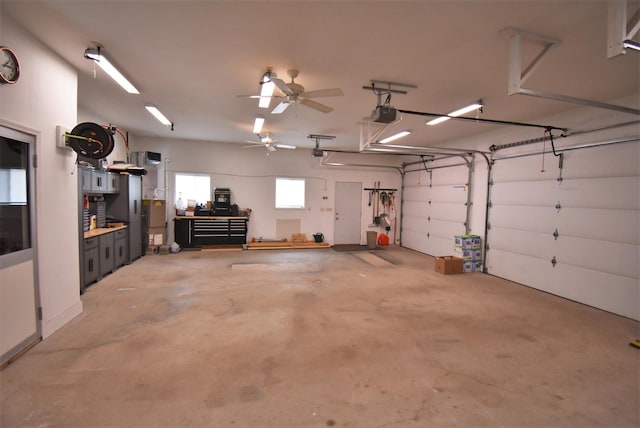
(46, 96)
(250, 174)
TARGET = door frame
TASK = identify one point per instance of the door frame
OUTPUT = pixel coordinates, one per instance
(32, 138)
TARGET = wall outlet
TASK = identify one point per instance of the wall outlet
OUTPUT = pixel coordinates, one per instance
(60, 138)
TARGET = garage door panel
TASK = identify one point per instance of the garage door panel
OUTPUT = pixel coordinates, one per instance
(609, 257)
(527, 168)
(536, 193)
(446, 229)
(416, 178)
(600, 224)
(536, 219)
(415, 224)
(448, 194)
(614, 293)
(522, 268)
(604, 192)
(415, 209)
(416, 194)
(435, 209)
(602, 162)
(451, 212)
(416, 241)
(458, 175)
(440, 246)
(522, 242)
(597, 251)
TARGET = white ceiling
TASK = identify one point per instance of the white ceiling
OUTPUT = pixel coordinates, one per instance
(193, 58)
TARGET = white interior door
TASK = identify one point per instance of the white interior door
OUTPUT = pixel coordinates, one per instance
(572, 231)
(19, 326)
(348, 219)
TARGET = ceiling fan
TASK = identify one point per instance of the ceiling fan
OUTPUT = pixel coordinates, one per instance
(294, 93)
(269, 143)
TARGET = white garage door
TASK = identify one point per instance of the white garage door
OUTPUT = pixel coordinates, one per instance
(434, 208)
(577, 237)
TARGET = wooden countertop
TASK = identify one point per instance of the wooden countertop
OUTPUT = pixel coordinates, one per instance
(101, 231)
(206, 217)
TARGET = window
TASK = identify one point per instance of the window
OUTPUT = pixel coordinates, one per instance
(290, 192)
(195, 187)
(15, 233)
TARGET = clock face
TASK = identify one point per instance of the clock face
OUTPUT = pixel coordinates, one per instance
(9, 66)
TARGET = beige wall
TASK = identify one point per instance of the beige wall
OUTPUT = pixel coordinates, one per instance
(46, 96)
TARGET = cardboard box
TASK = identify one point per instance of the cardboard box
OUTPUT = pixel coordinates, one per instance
(467, 242)
(156, 236)
(448, 265)
(472, 266)
(467, 254)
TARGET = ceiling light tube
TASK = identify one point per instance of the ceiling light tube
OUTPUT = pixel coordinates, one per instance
(95, 55)
(257, 124)
(395, 136)
(266, 89)
(158, 115)
(280, 107)
(631, 44)
(456, 113)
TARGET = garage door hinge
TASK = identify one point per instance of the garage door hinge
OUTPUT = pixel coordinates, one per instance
(490, 204)
(554, 261)
(555, 235)
(40, 313)
(488, 226)
(429, 202)
(490, 182)
(558, 206)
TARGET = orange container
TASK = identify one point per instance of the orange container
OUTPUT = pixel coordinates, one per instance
(383, 239)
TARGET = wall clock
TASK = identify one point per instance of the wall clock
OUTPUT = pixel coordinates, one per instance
(9, 66)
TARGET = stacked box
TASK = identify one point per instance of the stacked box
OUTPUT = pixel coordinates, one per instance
(469, 248)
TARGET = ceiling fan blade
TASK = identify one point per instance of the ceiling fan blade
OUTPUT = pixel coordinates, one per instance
(270, 147)
(333, 92)
(253, 146)
(282, 86)
(285, 146)
(280, 107)
(316, 105)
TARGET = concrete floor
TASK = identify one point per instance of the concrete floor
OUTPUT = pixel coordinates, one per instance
(316, 338)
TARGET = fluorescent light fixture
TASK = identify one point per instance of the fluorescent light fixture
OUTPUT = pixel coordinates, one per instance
(395, 137)
(281, 107)
(158, 115)
(285, 146)
(257, 124)
(95, 55)
(266, 89)
(456, 113)
(631, 44)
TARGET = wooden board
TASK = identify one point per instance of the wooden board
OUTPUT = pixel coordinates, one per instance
(286, 245)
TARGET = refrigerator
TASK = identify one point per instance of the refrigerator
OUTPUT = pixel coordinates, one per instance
(126, 206)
